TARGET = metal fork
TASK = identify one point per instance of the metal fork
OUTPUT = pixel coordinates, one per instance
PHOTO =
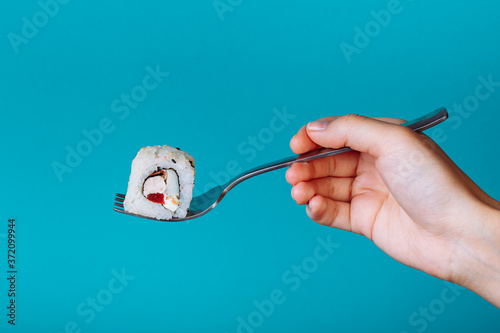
(205, 202)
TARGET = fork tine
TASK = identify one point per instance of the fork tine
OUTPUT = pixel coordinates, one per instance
(119, 198)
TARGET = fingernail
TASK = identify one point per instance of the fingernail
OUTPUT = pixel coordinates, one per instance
(309, 206)
(317, 125)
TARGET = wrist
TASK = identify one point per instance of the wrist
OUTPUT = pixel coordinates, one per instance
(477, 259)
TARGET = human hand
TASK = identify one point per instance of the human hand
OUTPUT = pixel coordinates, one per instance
(399, 189)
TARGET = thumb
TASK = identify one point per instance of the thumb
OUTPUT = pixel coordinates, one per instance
(367, 135)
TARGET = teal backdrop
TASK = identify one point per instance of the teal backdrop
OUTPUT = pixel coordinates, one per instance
(85, 84)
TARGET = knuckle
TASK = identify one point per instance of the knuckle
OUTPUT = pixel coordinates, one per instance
(351, 184)
(311, 168)
(335, 214)
(332, 190)
(332, 166)
(352, 117)
(315, 187)
(350, 120)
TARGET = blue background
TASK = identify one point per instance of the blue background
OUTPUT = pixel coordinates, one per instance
(227, 74)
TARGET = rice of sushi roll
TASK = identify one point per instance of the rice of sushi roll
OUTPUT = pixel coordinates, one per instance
(161, 183)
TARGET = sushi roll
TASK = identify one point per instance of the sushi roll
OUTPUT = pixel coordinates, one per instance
(161, 183)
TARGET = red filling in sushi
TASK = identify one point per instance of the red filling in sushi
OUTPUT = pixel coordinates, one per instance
(156, 197)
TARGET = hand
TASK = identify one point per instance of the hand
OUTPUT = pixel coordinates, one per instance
(399, 189)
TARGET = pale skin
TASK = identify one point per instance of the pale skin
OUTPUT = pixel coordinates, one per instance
(400, 190)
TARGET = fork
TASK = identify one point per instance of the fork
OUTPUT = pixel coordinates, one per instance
(203, 203)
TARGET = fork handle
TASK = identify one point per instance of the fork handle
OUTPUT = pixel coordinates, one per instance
(418, 125)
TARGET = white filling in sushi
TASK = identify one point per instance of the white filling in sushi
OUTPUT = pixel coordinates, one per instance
(161, 183)
(162, 187)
